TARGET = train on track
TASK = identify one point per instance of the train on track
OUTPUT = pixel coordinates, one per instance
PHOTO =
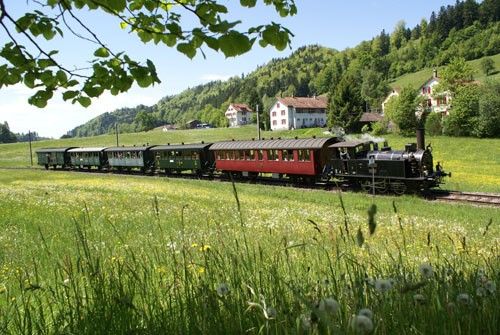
(356, 164)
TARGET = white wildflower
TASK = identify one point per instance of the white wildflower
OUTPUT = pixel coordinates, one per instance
(366, 312)
(270, 313)
(419, 299)
(223, 289)
(66, 281)
(463, 299)
(361, 324)
(426, 271)
(383, 285)
(329, 306)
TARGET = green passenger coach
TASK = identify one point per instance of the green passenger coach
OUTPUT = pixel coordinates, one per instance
(184, 157)
(130, 158)
(53, 157)
(88, 157)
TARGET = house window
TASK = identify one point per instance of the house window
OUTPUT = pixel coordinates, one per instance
(274, 114)
(429, 102)
(283, 121)
(278, 104)
(275, 122)
(283, 112)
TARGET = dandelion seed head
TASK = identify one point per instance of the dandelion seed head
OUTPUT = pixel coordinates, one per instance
(270, 313)
(481, 292)
(366, 312)
(490, 286)
(223, 289)
(419, 299)
(329, 306)
(361, 324)
(383, 285)
(305, 322)
(463, 299)
(426, 271)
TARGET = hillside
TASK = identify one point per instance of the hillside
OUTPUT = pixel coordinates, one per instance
(467, 29)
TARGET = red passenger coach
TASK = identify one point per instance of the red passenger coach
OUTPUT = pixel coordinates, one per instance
(293, 158)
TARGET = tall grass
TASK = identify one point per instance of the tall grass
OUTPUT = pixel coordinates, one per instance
(212, 274)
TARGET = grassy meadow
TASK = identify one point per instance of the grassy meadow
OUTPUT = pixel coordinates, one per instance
(95, 254)
(115, 254)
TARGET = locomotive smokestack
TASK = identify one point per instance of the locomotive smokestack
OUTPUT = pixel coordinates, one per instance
(421, 138)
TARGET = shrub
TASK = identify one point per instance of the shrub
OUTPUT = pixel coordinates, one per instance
(380, 127)
(433, 124)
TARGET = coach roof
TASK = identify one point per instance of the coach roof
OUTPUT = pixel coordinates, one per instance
(47, 150)
(306, 143)
(121, 149)
(189, 146)
(98, 149)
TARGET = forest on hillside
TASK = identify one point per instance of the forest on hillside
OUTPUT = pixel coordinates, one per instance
(468, 30)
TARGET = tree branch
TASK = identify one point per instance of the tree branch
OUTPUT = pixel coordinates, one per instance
(43, 52)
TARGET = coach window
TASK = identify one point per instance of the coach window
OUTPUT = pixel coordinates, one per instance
(287, 155)
(260, 155)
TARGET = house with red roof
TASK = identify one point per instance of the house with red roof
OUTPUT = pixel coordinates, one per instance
(298, 112)
(238, 114)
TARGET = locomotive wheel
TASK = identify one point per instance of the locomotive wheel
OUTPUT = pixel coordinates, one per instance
(398, 188)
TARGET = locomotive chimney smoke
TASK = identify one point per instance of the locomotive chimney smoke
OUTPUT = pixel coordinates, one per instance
(420, 138)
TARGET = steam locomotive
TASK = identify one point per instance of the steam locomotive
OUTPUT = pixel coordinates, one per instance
(357, 164)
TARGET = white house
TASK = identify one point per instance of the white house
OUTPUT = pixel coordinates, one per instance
(298, 112)
(238, 114)
(436, 103)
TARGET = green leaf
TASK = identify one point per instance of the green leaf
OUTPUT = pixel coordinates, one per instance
(29, 79)
(187, 49)
(69, 95)
(212, 43)
(123, 25)
(84, 101)
(62, 78)
(234, 44)
(248, 3)
(101, 52)
(169, 39)
(117, 5)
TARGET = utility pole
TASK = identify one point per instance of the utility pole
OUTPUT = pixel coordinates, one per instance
(258, 121)
(31, 151)
(116, 132)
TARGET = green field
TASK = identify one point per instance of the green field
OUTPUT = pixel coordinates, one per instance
(93, 254)
(115, 254)
(475, 163)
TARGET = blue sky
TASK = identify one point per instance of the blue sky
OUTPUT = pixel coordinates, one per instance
(331, 23)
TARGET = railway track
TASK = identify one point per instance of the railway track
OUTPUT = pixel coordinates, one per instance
(485, 199)
(490, 199)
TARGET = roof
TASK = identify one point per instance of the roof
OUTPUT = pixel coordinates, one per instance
(98, 149)
(309, 143)
(179, 147)
(348, 144)
(241, 107)
(305, 102)
(370, 117)
(42, 150)
(120, 149)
